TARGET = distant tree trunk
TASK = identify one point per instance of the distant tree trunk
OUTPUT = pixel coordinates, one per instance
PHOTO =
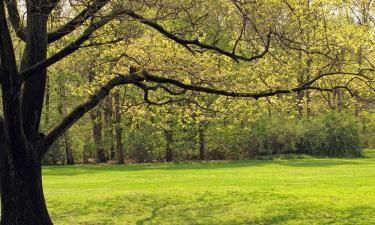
(97, 131)
(339, 93)
(118, 128)
(108, 113)
(68, 149)
(86, 152)
(49, 158)
(357, 105)
(340, 100)
(202, 141)
(97, 128)
(300, 96)
(168, 146)
(305, 75)
(307, 92)
(62, 110)
(300, 80)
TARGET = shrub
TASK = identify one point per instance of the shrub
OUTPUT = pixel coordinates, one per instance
(333, 134)
(273, 135)
(367, 128)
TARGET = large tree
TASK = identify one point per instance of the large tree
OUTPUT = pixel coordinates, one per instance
(23, 79)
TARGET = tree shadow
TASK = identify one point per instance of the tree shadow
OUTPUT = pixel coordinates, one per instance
(209, 208)
(153, 215)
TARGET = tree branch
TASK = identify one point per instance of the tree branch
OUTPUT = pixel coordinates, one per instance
(77, 21)
(152, 78)
(7, 55)
(15, 19)
(83, 108)
(196, 42)
(256, 95)
(72, 47)
(51, 5)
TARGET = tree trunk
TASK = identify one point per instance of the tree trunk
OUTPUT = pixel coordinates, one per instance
(118, 129)
(202, 142)
(168, 149)
(68, 149)
(62, 110)
(300, 95)
(22, 198)
(97, 131)
(97, 128)
(108, 112)
(308, 96)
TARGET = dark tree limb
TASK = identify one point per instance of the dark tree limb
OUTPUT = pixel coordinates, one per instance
(320, 76)
(69, 49)
(52, 4)
(187, 43)
(10, 89)
(83, 108)
(77, 21)
(256, 95)
(15, 19)
(152, 78)
(7, 56)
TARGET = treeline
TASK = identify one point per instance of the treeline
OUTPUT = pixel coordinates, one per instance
(113, 134)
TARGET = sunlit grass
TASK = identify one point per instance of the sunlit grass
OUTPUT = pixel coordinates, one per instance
(298, 191)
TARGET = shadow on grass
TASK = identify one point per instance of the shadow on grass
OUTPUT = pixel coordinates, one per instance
(153, 215)
(208, 165)
(208, 208)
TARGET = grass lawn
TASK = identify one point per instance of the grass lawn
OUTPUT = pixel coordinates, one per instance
(298, 191)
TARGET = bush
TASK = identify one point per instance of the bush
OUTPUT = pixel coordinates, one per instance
(367, 128)
(273, 135)
(333, 134)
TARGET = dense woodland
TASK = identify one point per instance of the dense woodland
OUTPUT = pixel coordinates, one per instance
(171, 80)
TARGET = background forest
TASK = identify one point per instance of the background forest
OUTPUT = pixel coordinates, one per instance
(296, 41)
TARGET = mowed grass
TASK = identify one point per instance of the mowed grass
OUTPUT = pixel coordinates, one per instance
(298, 191)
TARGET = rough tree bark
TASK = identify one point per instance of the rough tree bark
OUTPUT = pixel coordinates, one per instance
(22, 199)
